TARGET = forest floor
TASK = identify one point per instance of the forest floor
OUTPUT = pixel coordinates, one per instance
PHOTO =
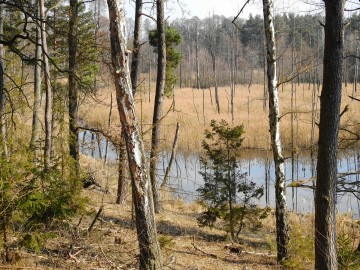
(112, 242)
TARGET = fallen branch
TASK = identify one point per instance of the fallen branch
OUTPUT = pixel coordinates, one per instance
(173, 154)
(96, 218)
(203, 252)
(105, 134)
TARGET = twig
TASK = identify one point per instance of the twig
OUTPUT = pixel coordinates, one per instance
(107, 259)
(241, 10)
(354, 98)
(203, 252)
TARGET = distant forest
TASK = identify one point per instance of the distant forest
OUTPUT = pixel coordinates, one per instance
(239, 46)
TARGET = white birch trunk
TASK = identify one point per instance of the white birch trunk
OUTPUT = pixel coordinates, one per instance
(37, 92)
(150, 257)
(48, 90)
(282, 237)
(3, 149)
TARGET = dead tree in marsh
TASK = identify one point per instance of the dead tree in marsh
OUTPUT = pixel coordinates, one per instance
(330, 100)
(282, 234)
(150, 256)
(197, 56)
(158, 103)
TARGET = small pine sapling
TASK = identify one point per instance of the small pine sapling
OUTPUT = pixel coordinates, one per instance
(227, 194)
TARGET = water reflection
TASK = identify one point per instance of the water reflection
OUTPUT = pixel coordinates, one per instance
(185, 179)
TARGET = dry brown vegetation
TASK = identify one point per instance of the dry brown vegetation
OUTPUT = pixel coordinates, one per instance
(188, 109)
(112, 244)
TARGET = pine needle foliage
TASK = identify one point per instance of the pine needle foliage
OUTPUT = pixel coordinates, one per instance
(31, 199)
(227, 194)
(173, 56)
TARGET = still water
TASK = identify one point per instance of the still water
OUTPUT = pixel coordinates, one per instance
(185, 178)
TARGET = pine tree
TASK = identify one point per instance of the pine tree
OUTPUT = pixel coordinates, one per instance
(173, 56)
(227, 194)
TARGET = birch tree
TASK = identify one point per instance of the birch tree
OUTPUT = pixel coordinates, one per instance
(3, 149)
(35, 130)
(330, 100)
(150, 257)
(282, 235)
(48, 90)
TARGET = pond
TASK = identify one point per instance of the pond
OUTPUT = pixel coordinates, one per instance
(185, 178)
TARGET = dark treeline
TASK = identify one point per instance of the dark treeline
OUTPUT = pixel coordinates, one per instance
(240, 47)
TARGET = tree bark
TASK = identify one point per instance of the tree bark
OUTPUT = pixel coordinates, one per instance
(136, 46)
(35, 130)
(213, 57)
(3, 149)
(197, 57)
(330, 100)
(121, 189)
(158, 103)
(48, 90)
(282, 235)
(150, 257)
(73, 84)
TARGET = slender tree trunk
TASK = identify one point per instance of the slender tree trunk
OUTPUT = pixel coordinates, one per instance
(330, 100)
(150, 257)
(136, 46)
(355, 73)
(3, 148)
(122, 183)
(282, 235)
(37, 93)
(172, 157)
(48, 90)
(197, 58)
(108, 129)
(73, 84)
(213, 57)
(158, 103)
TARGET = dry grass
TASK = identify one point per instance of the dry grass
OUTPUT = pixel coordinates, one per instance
(194, 110)
(113, 242)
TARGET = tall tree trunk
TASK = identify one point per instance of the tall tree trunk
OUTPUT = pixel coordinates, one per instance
(197, 57)
(330, 100)
(73, 84)
(3, 148)
(158, 103)
(282, 235)
(35, 130)
(150, 257)
(213, 57)
(48, 90)
(136, 46)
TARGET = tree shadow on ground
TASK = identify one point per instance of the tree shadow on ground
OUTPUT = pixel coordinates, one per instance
(168, 228)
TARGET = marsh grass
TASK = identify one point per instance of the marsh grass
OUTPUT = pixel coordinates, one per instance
(194, 109)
